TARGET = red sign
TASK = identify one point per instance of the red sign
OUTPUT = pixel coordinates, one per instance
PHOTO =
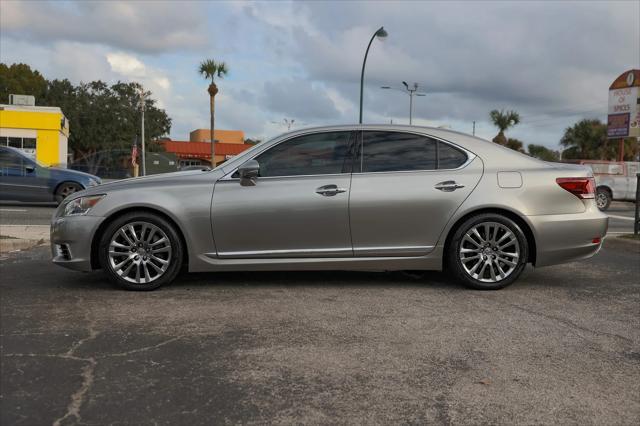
(618, 125)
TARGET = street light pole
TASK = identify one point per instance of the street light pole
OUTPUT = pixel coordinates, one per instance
(411, 91)
(142, 108)
(380, 33)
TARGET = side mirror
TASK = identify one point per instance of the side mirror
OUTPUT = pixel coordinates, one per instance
(249, 172)
(30, 168)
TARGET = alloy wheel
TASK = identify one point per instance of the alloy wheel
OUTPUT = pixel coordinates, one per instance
(68, 189)
(489, 252)
(601, 200)
(140, 252)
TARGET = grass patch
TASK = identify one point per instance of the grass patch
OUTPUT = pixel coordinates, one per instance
(6, 237)
(631, 236)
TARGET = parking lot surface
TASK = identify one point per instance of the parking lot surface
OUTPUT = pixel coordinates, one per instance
(560, 346)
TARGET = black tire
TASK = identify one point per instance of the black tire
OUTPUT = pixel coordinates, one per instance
(140, 219)
(603, 198)
(455, 264)
(65, 189)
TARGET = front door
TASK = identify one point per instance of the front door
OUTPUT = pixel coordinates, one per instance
(405, 190)
(298, 207)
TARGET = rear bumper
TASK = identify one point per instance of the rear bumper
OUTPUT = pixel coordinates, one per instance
(71, 239)
(568, 237)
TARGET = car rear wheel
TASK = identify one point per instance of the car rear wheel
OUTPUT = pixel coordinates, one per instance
(65, 189)
(603, 198)
(487, 252)
(141, 251)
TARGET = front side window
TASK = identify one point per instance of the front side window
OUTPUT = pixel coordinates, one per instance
(10, 160)
(316, 154)
(394, 151)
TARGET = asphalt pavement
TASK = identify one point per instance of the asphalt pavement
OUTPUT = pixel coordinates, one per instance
(561, 346)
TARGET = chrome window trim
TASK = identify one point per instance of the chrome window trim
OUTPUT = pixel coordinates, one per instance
(470, 155)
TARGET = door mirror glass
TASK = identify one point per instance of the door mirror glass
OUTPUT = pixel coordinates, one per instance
(249, 172)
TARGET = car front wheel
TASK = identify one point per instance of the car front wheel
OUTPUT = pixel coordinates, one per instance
(487, 252)
(65, 189)
(141, 251)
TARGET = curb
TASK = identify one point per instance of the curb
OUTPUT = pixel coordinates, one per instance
(18, 244)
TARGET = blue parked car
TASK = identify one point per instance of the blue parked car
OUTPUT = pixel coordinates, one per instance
(24, 179)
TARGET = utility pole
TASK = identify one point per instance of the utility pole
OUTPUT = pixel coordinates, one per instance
(142, 109)
(474, 127)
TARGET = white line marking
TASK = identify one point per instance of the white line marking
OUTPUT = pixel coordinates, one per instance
(25, 226)
(12, 210)
(620, 217)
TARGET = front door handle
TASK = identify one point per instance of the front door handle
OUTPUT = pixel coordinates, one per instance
(330, 190)
(448, 186)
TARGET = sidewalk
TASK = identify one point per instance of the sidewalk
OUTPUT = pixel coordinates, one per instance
(22, 237)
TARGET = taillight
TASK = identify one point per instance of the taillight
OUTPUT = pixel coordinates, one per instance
(581, 187)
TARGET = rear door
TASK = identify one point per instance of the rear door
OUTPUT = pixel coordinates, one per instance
(404, 191)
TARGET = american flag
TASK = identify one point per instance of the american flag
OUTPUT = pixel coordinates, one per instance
(134, 154)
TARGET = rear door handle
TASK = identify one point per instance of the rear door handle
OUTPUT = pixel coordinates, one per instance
(448, 186)
(330, 190)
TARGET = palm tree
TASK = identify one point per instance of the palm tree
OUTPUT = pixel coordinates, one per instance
(503, 120)
(211, 69)
(587, 140)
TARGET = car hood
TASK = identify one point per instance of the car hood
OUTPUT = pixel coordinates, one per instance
(68, 173)
(158, 180)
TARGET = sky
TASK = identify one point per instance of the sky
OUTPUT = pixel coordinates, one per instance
(550, 61)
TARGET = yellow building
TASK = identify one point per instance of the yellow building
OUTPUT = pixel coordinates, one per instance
(42, 132)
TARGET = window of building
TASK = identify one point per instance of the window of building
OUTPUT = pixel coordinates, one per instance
(394, 151)
(15, 143)
(28, 143)
(316, 154)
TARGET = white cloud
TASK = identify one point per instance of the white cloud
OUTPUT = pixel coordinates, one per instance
(149, 26)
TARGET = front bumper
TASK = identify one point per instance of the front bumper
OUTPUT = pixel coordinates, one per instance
(568, 237)
(71, 239)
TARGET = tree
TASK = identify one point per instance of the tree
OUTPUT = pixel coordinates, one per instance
(585, 140)
(20, 79)
(503, 120)
(543, 153)
(515, 145)
(211, 69)
(250, 141)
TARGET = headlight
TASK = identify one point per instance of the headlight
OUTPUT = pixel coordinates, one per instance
(81, 205)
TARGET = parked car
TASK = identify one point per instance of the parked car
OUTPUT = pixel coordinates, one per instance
(615, 181)
(24, 179)
(346, 197)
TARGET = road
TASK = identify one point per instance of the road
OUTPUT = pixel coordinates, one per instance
(561, 346)
(621, 215)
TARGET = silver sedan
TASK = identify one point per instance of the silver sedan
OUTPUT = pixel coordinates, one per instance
(343, 198)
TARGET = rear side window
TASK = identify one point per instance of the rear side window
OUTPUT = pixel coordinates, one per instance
(393, 151)
(450, 157)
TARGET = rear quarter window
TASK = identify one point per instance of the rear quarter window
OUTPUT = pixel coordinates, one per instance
(450, 157)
